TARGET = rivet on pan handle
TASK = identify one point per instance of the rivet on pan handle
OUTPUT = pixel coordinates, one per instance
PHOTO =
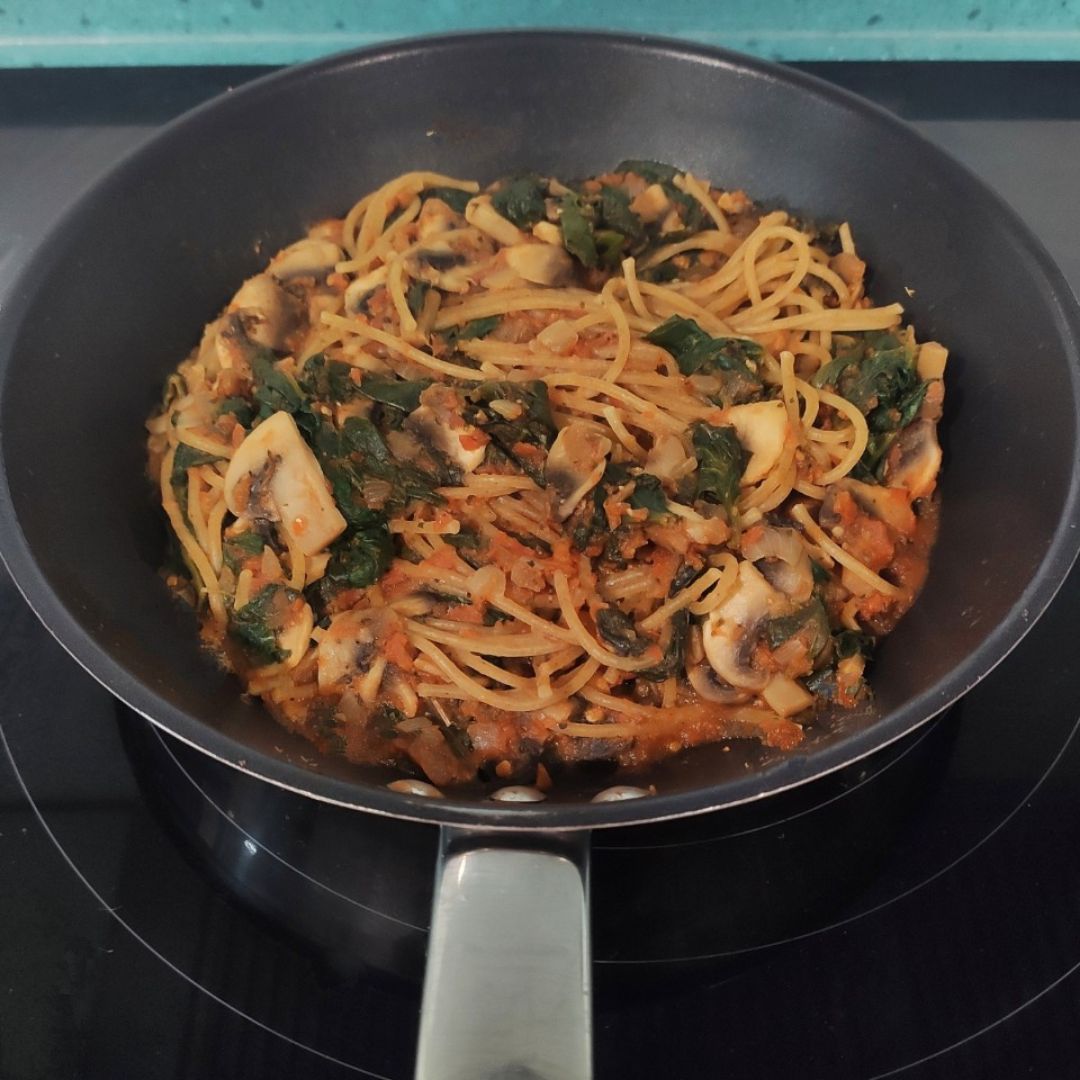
(508, 989)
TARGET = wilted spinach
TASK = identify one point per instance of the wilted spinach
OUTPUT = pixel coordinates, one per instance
(577, 231)
(721, 462)
(674, 649)
(521, 200)
(649, 494)
(254, 627)
(811, 618)
(327, 380)
(617, 629)
(455, 198)
(402, 394)
(697, 352)
(535, 427)
(475, 328)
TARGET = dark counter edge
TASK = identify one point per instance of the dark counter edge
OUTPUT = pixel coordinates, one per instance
(938, 90)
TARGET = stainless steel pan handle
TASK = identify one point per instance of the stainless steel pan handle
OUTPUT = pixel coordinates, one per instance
(508, 990)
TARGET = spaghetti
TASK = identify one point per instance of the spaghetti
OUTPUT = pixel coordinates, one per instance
(470, 479)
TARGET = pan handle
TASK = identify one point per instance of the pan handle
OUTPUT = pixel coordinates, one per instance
(508, 986)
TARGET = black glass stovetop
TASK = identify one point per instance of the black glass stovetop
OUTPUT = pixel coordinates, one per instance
(917, 915)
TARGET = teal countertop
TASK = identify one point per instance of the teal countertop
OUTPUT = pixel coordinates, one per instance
(58, 33)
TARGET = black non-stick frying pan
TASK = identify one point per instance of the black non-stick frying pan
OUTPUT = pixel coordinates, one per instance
(120, 290)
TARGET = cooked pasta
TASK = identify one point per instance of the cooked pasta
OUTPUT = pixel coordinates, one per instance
(485, 483)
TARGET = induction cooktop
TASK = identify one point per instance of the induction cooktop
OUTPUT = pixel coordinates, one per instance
(915, 915)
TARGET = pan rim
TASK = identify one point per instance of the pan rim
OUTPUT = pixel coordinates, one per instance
(791, 771)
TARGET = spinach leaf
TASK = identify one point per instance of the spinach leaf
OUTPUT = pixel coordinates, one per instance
(877, 374)
(812, 618)
(721, 461)
(455, 198)
(521, 200)
(253, 626)
(403, 394)
(272, 388)
(187, 457)
(850, 643)
(649, 494)
(577, 231)
(697, 352)
(615, 213)
(674, 651)
(466, 540)
(416, 296)
(476, 328)
(371, 457)
(236, 406)
(609, 247)
(362, 555)
(655, 172)
(666, 271)
(327, 380)
(240, 547)
(617, 629)
(534, 428)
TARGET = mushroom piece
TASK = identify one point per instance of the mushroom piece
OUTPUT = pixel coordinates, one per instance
(889, 504)
(273, 475)
(762, 427)
(786, 563)
(348, 650)
(363, 286)
(482, 215)
(310, 257)
(915, 459)
(436, 216)
(437, 421)
(668, 459)
(270, 313)
(542, 264)
(703, 680)
(729, 633)
(575, 463)
(294, 636)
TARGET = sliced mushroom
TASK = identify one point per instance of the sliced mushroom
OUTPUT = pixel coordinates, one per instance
(364, 286)
(703, 680)
(480, 213)
(437, 422)
(295, 634)
(889, 504)
(310, 257)
(274, 475)
(668, 459)
(915, 459)
(347, 649)
(270, 313)
(575, 463)
(762, 427)
(542, 264)
(729, 633)
(786, 564)
(435, 217)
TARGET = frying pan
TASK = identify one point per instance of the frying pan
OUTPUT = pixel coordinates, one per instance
(120, 290)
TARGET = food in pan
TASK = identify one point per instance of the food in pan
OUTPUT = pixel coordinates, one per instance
(483, 483)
